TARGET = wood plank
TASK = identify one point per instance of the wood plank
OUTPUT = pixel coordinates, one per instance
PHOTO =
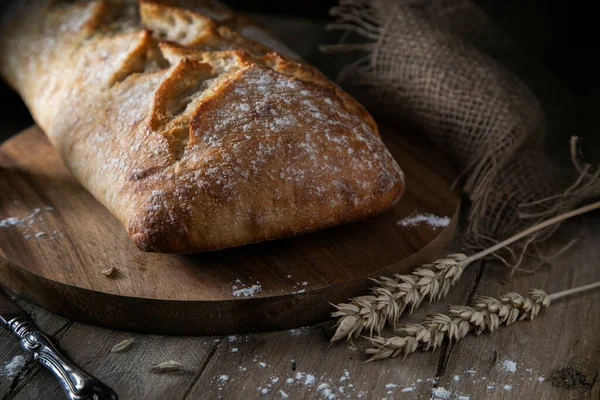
(10, 348)
(567, 335)
(128, 373)
(276, 364)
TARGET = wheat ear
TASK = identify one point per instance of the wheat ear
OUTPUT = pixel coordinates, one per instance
(394, 296)
(487, 314)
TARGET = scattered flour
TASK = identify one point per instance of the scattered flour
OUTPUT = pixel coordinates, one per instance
(302, 331)
(391, 386)
(541, 379)
(14, 366)
(11, 221)
(432, 220)
(224, 378)
(509, 366)
(262, 364)
(456, 378)
(310, 380)
(408, 389)
(283, 394)
(234, 350)
(27, 224)
(507, 387)
(246, 292)
(326, 391)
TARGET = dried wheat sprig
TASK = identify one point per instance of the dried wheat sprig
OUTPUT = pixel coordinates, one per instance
(487, 314)
(401, 293)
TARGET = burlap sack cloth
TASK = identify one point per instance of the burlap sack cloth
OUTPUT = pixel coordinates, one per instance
(501, 116)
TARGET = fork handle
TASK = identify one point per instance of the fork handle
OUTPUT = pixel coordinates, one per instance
(77, 384)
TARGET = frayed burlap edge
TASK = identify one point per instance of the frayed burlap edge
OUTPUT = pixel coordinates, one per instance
(428, 61)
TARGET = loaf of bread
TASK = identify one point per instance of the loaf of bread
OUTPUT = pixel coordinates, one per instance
(194, 136)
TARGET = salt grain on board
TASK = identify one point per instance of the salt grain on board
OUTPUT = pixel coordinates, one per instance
(433, 221)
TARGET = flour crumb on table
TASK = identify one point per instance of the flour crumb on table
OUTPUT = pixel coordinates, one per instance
(14, 366)
(432, 220)
(509, 366)
(507, 387)
(441, 393)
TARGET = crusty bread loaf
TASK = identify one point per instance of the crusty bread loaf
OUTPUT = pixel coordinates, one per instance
(195, 137)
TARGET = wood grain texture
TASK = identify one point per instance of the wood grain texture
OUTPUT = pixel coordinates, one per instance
(562, 345)
(565, 335)
(63, 239)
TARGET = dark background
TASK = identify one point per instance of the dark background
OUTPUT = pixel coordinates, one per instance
(563, 34)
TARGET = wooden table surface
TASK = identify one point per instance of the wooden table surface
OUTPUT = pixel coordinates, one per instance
(557, 356)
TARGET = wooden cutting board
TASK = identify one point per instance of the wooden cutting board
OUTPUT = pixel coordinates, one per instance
(58, 239)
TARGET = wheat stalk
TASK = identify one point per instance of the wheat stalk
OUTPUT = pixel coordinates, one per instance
(487, 314)
(394, 296)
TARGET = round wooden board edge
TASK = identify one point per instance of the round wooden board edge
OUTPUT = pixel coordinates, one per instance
(186, 317)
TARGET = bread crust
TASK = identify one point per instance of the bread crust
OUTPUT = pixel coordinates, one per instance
(195, 137)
